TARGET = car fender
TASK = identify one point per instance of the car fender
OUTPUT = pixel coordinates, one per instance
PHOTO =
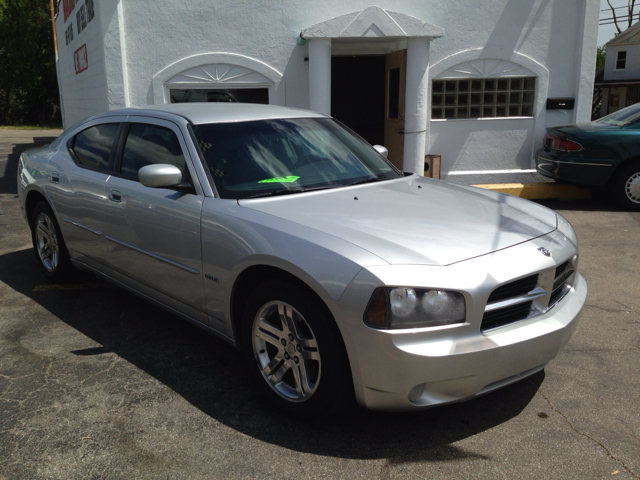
(32, 178)
(325, 263)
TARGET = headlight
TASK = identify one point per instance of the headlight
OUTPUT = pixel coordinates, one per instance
(406, 307)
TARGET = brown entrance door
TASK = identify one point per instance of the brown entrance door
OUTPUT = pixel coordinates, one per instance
(395, 82)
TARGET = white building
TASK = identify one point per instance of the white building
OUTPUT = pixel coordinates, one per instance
(465, 80)
(620, 78)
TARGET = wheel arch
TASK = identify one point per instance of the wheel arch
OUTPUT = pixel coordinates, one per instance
(33, 198)
(621, 166)
(248, 280)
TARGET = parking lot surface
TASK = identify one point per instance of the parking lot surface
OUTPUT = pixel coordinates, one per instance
(96, 383)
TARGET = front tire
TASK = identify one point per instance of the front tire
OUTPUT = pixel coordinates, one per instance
(625, 187)
(48, 244)
(295, 352)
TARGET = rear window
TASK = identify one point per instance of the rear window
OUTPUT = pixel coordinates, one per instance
(92, 147)
(622, 117)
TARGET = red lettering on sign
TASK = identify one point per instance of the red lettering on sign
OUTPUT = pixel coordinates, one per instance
(81, 59)
(68, 6)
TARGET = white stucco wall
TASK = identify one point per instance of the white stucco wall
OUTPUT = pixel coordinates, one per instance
(83, 91)
(135, 46)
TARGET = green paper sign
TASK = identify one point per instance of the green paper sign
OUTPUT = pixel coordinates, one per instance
(287, 179)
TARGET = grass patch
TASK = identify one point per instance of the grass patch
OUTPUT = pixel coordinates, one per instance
(52, 126)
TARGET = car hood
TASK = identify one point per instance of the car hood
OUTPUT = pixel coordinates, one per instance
(415, 220)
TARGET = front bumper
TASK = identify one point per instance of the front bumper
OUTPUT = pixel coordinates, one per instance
(592, 173)
(422, 368)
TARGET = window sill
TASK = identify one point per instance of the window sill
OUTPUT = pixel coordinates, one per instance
(481, 119)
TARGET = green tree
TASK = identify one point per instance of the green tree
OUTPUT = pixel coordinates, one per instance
(600, 56)
(28, 82)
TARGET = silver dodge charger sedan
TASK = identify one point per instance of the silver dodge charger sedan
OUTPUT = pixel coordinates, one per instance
(287, 235)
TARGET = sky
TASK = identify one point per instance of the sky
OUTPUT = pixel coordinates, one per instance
(606, 32)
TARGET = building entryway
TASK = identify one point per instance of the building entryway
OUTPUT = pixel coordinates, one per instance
(357, 95)
(367, 95)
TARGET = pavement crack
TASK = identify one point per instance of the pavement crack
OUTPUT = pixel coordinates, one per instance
(609, 454)
(614, 310)
(600, 350)
(106, 370)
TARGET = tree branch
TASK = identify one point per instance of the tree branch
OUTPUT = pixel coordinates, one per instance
(615, 19)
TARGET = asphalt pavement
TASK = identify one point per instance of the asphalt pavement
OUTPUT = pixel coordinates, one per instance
(96, 383)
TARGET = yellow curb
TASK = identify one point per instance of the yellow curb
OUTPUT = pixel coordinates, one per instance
(539, 191)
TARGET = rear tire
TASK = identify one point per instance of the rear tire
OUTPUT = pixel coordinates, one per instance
(295, 352)
(625, 187)
(48, 244)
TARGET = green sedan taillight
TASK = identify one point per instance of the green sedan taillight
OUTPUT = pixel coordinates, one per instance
(553, 142)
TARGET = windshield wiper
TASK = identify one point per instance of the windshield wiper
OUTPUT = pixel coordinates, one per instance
(377, 178)
(287, 191)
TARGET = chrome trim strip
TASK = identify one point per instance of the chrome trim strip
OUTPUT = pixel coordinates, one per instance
(76, 224)
(532, 295)
(563, 277)
(564, 291)
(575, 163)
(153, 255)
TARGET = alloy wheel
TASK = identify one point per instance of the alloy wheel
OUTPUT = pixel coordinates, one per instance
(47, 242)
(286, 351)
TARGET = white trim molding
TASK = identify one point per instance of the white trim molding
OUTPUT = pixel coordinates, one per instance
(209, 69)
(373, 22)
(488, 172)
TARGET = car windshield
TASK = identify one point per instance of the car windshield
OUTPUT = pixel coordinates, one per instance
(275, 157)
(622, 117)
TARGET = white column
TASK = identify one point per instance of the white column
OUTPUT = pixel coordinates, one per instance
(586, 46)
(416, 104)
(320, 75)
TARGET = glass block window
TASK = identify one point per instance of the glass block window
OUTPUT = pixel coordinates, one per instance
(483, 97)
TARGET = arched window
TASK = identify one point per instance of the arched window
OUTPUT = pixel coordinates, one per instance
(218, 77)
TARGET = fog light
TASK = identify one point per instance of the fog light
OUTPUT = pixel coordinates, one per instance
(416, 392)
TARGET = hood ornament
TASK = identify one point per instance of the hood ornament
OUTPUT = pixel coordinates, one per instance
(544, 251)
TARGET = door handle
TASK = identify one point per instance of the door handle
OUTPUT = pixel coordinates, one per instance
(55, 177)
(115, 195)
(401, 131)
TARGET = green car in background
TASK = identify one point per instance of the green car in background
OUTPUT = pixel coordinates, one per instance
(600, 154)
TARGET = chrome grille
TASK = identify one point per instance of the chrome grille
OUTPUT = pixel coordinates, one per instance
(527, 297)
(514, 289)
(505, 316)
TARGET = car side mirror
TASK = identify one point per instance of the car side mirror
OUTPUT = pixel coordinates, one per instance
(381, 150)
(160, 175)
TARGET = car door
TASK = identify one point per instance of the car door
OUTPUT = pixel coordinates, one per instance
(154, 233)
(77, 178)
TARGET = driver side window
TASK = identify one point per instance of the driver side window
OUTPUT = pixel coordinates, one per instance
(151, 144)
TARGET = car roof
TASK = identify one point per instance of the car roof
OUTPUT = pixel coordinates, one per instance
(199, 113)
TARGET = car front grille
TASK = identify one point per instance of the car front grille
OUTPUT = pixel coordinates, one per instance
(527, 297)
(514, 289)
